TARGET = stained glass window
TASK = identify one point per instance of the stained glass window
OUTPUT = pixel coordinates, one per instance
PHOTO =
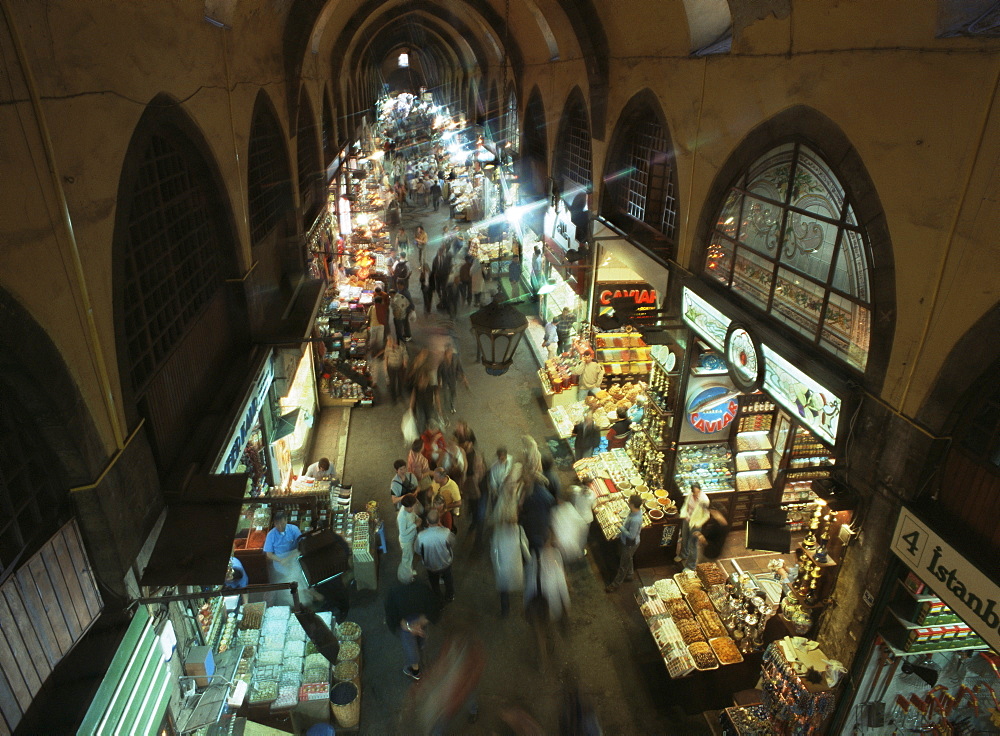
(787, 241)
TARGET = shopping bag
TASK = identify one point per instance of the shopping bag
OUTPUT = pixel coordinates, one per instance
(409, 427)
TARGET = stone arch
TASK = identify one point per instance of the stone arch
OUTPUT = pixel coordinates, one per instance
(171, 359)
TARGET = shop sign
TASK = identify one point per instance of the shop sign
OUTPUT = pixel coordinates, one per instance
(233, 450)
(960, 584)
(559, 228)
(713, 409)
(815, 405)
(640, 292)
(705, 319)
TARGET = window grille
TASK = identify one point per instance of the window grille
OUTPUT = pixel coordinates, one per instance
(267, 175)
(574, 148)
(172, 264)
(29, 493)
(787, 241)
(307, 157)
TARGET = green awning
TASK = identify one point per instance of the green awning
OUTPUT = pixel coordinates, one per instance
(136, 690)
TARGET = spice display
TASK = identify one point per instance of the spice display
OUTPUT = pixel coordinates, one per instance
(711, 624)
(704, 657)
(699, 601)
(690, 631)
(288, 696)
(725, 649)
(349, 650)
(711, 574)
(678, 609)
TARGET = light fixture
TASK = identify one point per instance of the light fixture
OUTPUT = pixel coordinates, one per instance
(548, 287)
(498, 328)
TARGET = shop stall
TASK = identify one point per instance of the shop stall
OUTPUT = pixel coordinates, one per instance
(613, 479)
(933, 665)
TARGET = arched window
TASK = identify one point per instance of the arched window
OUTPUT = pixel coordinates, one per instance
(512, 135)
(32, 499)
(573, 157)
(329, 146)
(268, 190)
(787, 241)
(307, 158)
(640, 179)
(173, 241)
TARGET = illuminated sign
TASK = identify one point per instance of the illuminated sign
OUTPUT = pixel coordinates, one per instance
(960, 584)
(713, 409)
(815, 405)
(641, 294)
(240, 433)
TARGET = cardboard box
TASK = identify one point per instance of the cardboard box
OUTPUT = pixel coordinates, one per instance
(199, 661)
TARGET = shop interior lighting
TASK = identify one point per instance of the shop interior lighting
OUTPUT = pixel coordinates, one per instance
(404, 60)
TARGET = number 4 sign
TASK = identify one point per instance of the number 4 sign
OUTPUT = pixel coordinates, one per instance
(954, 579)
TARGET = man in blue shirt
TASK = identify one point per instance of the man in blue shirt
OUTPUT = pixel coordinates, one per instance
(629, 537)
(281, 547)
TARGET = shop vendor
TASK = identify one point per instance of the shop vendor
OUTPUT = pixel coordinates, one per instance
(281, 546)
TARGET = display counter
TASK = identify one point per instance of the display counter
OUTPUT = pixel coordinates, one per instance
(612, 478)
(557, 389)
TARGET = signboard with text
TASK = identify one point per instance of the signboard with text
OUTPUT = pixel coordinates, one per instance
(639, 292)
(956, 581)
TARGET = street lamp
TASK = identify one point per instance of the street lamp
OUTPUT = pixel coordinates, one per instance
(498, 328)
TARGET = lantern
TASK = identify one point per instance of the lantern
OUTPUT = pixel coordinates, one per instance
(498, 328)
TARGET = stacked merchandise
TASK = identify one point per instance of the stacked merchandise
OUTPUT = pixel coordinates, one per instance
(796, 704)
(709, 465)
(750, 720)
(746, 609)
(622, 353)
(689, 634)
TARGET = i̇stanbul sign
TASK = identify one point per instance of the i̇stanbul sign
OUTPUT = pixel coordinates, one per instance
(968, 592)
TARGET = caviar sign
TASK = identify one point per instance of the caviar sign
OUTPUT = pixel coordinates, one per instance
(638, 293)
(955, 580)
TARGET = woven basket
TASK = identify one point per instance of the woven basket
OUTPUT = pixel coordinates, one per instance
(347, 713)
(349, 651)
(347, 671)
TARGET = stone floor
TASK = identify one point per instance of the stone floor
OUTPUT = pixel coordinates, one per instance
(606, 647)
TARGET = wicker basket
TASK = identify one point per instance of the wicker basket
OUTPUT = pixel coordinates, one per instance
(347, 671)
(345, 704)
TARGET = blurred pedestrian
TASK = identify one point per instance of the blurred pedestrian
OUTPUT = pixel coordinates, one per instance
(400, 307)
(514, 276)
(410, 609)
(436, 547)
(628, 537)
(472, 487)
(546, 599)
(407, 522)
(447, 690)
(586, 436)
(395, 367)
(424, 402)
(509, 553)
(550, 341)
(426, 287)
(449, 372)
(694, 513)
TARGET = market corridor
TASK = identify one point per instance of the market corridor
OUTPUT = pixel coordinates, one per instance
(605, 647)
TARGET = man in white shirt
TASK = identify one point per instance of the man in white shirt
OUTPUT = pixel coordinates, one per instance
(407, 521)
(321, 470)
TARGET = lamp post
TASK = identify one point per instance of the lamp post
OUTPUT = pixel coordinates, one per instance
(498, 328)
